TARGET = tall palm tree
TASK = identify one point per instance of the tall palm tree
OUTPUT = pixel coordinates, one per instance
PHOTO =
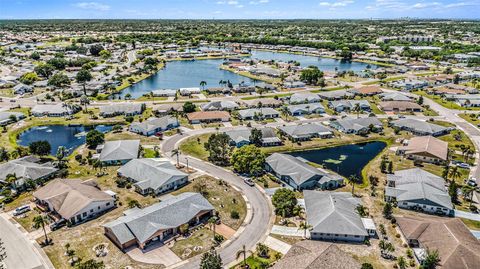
(84, 101)
(352, 180)
(61, 154)
(12, 179)
(243, 252)
(304, 226)
(203, 83)
(284, 111)
(357, 109)
(213, 221)
(468, 191)
(176, 152)
(454, 173)
(40, 221)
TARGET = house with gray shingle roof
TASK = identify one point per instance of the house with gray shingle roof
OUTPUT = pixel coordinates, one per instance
(303, 132)
(417, 189)
(118, 152)
(153, 125)
(55, 110)
(258, 113)
(336, 95)
(300, 175)
(22, 89)
(301, 109)
(26, 168)
(394, 96)
(158, 222)
(357, 125)
(6, 117)
(333, 216)
(127, 109)
(241, 136)
(302, 98)
(153, 176)
(418, 127)
(349, 105)
(220, 105)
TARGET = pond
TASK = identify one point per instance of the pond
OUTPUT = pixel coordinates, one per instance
(346, 160)
(184, 74)
(68, 136)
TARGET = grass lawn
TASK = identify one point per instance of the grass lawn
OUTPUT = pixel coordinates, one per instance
(257, 262)
(149, 153)
(144, 140)
(470, 117)
(471, 224)
(184, 248)
(26, 220)
(20, 200)
(6, 93)
(291, 240)
(193, 146)
(222, 196)
(439, 100)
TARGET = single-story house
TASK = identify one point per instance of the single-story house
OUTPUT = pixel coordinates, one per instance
(27, 168)
(266, 86)
(300, 175)
(309, 254)
(394, 96)
(165, 109)
(189, 91)
(456, 245)
(153, 175)
(164, 93)
(153, 125)
(9, 117)
(418, 127)
(158, 222)
(349, 105)
(426, 149)
(241, 136)
(220, 105)
(118, 152)
(55, 110)
(127, 109)
(336, 95)
(302, 109)
(357, 125)
(333, 216)
(22, 89)
(301, 98)
(303, 132)
(262, 102)
(208, 116)
(367, 90)
(294, 84)
(73, 199)
(400, 106)
(258, 113)
(417, 189)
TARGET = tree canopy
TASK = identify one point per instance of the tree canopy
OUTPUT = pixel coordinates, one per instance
(248, 159)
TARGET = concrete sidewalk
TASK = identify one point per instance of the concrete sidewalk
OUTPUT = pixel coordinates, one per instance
(288, 231)
(467, 215)
(277, 245)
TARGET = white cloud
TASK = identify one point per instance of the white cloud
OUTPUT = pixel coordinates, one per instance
(92, 6)
(258, 2)
(231, 3)
(340, 3)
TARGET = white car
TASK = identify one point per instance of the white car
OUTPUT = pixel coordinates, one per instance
(249, 182)
(20, 210)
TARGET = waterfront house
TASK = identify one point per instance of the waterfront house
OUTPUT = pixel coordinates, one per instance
(118, 152)
(357, 125)
(189, 91)
(55, 110)
(425, 149)
(304, 132)
(418, 127)
(9, 117)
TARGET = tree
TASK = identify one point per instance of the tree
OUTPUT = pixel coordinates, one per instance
(84, 101)
(248, 159)
(83, 76)
(284, 201)
(420, 100)
(94, 138)
(4, 154)
(211, 260)
(39, 221)
(41, 147)
(402, 263)
(432, 258)
(28, 78)
(133, 204)
(352, 180)
(362, 211)
(453, 191)
(176, 152)
(454, 173)
(96, 49)
(62, 152)
(105, 54)
(387, 210)
(262, 250)
(243, 252)
(91, 264)
(304, 226)
(58, 80)
(311, 75)
(213, 223)
(203, 84)
(35, 56)
(44, 70)
(218, 146)
(256, 137)
(366, 265)
(188, 107)
(357, 109)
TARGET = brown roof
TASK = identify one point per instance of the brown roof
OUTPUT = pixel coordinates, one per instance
(447, 90)
(457, 247)
(369, 90)
(69, 196)
(310, 254)
(399, 105)
(427, 144)
(208, 115)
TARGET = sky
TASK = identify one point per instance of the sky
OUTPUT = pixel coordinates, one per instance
(238, 9)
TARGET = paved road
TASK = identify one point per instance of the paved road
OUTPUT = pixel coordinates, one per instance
(255, 231)
(21, 253)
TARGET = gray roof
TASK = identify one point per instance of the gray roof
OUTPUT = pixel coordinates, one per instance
(419, 126)
(5, 116)
(350, 104)
(154, 123)
(304, 130)
(333, 213)
(249, 113)
(220, 105)
(304, 98)
(243, 134)
(394, 96)
(151, 173)
(288, 165)
(340, 94)
(417, 184)
(122, 108)
(120, 150)
(141, 224)
(26, 168)
(356, 124)
(305, 107)
(59, 108)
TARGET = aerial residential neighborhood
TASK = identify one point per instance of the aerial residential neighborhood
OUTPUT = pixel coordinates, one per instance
(239, 134)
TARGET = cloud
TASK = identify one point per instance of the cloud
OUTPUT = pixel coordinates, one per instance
(231, 3)
(92, 6)
(258, 2)
(340, 3)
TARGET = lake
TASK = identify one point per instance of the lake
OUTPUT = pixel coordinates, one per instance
(71, 137)
(184, 74)
(346, 160)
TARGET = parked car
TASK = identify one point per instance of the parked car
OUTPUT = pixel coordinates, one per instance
(249, 182)
(472, 182)
(21, 210)
(59, 224)
(463, 165)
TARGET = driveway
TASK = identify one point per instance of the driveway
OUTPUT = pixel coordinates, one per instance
(277, 245)
(287, 231)
(155, 254)
(467, 215)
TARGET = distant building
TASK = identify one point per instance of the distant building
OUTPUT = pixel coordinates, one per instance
(303, 132)
(418, 127)
(357, 125)
(400, 106)
(302, 98)
(349, 105)
(220, 105)
(153, 125)
(56, 110)
(306, 109)
(208, 116)
(258, 113)
(241, 137)
(425, 149)
(118, 152)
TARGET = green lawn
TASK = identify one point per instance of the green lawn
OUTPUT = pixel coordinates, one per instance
(184, 248)
(194, 146)
(470, 117)
(257, 262)
(471, 224)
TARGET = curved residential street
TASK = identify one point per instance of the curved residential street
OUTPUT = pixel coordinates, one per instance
(260, 223)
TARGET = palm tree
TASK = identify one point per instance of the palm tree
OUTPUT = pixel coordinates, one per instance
(84, 101)
(61, 154)
(203, 83)
(352, 180)
(454, 173)
(12, 179)
(39, 221)
(176, 152)
(402, 263)
(243, 252)
(213, 221)
(357, 109)
(432, 258)
(284, 111)
(304, 226)
(468, 191)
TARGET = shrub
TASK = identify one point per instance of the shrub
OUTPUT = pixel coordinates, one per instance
(234, 214)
